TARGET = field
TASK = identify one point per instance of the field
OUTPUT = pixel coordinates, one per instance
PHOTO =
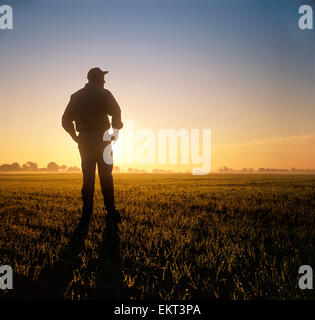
(220, 236)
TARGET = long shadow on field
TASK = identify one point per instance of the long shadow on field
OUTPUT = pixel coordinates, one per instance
(109, 279)
(56, 278)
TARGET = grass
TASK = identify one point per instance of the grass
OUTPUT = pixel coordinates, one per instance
(220, 236)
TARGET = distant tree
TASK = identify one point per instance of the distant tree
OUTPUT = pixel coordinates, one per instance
(10, 167)
(15, 166)
(30, 166)
(63, 168)
(52, 166)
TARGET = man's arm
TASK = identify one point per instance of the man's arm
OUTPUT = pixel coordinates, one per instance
(113, 110)
(67, 120)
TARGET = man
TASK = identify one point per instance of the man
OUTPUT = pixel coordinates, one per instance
(89, 109)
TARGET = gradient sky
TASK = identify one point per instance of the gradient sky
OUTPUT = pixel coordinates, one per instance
(239, 67)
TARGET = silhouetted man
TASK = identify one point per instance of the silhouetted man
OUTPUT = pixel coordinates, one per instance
(89, 109)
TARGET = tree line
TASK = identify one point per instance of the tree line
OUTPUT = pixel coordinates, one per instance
(33, 166)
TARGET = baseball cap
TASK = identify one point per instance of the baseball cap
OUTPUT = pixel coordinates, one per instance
(95, 72)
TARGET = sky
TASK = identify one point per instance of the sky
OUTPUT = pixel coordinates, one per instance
(241, 68)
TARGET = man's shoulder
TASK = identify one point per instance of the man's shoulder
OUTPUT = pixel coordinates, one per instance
(77, 93)
(106, 91)
(105, 94)
(93, 91)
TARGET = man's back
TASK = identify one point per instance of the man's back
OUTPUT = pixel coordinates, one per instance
(89, 109)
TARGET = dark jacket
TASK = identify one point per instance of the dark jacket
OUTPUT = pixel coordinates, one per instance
(89, 109)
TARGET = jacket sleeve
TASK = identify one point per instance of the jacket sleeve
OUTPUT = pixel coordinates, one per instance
(68, 118)
(113, 110)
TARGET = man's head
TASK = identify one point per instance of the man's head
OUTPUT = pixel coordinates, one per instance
(96, 76)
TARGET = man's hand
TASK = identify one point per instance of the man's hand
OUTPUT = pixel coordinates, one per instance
(115, 134)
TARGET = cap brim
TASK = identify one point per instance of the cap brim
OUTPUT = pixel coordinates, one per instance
(104, 72)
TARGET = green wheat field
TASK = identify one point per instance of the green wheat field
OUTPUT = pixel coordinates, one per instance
(220, 236)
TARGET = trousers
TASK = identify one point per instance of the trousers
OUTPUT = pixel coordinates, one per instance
(91, 147)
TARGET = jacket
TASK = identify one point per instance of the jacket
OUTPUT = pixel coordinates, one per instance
(89, 108)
